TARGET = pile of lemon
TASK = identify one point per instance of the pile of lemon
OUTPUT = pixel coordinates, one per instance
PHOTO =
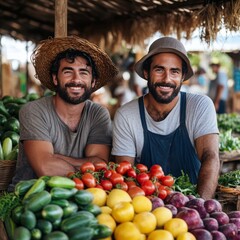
(134, 219)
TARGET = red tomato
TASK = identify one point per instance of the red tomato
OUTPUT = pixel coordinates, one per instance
(122, 186)
(88, 180)
(79, 183)
(167, 180)
(155, 167)
(112, 165)
(106, 184)
(70, 174)
(135, 191)
(148, 187)
(99, 186)
(87, 167)
(108, 173)
(116, 178)
(100, 165)
(141, 167)
(130, 184)
(142, 177)
(162, 193)
(123, 167)
(131, 173)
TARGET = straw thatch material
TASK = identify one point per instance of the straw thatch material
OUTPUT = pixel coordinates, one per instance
(110, 22)
(7, 170)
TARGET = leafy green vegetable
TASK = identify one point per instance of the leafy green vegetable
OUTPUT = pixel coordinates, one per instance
(8, 201)
(229, 121)
(230, 179)
(182, 184)
(227, 142)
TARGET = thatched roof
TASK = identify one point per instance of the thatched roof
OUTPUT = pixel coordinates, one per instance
(110, 21)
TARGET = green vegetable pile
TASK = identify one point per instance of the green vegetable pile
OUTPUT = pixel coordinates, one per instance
(51, 208)
(229, 121)
(182, 184)
(230, 179)
(227, 142)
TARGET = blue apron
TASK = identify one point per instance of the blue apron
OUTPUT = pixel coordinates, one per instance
(173, 152)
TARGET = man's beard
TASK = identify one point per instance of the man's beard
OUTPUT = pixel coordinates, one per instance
(163, 98)
(62, 92)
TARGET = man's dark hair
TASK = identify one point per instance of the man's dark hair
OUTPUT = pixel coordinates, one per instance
(148, 61)
(70, 55)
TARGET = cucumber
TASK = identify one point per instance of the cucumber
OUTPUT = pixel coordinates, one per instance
(62, 193)
(36, 234)
(38, 186)
(92, 208)
(28, 219)
(62, 182)
(6, 146)
(23, 186)
(10, 227)
(52, 212)
(79, 219)
(101, 231)
(44, 225)
(38, 201)
(69, 210)
(60, 202)
(83, 197)
(12, 155)
(85, 233)
(22, 233)
(56, 235)
(16, 214)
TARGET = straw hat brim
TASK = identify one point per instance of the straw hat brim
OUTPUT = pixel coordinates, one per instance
(47, 50)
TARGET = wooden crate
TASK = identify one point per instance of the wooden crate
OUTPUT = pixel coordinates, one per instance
(229, 198)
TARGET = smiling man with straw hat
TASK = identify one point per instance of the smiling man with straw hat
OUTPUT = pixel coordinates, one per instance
(60, 132)
(174, 129)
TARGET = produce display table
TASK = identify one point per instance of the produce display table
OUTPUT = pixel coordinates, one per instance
(230, 161)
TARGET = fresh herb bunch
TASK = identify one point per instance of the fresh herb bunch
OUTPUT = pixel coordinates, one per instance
(230, 179)
(227, 142)
(182, 184)
(8, 201)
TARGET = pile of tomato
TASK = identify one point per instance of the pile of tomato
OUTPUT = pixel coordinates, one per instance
(136, 180)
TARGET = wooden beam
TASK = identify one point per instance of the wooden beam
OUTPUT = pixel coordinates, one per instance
(60, 18)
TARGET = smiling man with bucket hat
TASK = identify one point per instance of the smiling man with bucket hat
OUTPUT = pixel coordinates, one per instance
(60, 132)
(174, 129)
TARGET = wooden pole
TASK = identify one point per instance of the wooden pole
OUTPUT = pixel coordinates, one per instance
(60, 18)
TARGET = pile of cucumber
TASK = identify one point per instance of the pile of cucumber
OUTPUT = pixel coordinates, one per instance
(53, 209)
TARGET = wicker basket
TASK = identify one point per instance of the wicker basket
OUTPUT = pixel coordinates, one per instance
(229, 198)
(7, 170)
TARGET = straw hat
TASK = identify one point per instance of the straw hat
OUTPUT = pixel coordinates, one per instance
(47, 50)
(165, 45)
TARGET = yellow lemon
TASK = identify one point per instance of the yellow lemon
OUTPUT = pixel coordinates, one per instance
(106, 209)
(160, 235)
(186, 236)
(145, 221)
(106, 219)
(127, 231)
(141, 204)
(176, 226)
(123, 212)
(99, 196)
(116, 196)
(162, 215)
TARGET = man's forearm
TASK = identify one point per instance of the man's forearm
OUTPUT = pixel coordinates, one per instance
(208, 176)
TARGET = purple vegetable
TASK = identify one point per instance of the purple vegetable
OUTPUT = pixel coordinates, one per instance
(198, 204)
(212, 205)
(218, 235)
(156, 202)
(236, 221)
(210, 224)
(202, 234)
(221, 217)
(177, 199)
(229, 230)
(234, 214)
(173, 209)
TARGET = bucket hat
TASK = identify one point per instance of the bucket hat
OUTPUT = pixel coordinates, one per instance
(165, 45)
(47, 50)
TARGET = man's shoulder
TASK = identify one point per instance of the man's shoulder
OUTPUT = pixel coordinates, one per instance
(36, 104)
(194, 98)
(129, 106)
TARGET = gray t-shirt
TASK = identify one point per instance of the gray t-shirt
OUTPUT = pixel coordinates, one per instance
(128, 132)
(39, 121)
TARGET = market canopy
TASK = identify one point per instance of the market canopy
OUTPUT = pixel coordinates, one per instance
(111, 21)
